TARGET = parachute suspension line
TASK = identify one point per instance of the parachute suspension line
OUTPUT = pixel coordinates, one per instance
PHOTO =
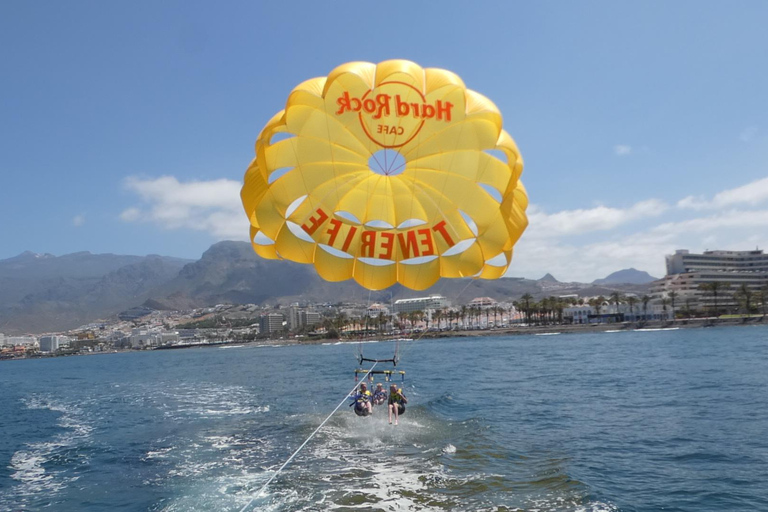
(280, 469)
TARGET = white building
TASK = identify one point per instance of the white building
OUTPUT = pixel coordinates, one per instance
(433, 302)
(610, 313)
(482, 302)
(141, 338)
(271, 322)
(169, 337)
(299, 317)
(145, 338)
(717, 261)
(52, 343)
(376, 309)
(24, 341)
(686, 273)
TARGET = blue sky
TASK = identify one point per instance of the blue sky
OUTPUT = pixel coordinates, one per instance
(127, 127)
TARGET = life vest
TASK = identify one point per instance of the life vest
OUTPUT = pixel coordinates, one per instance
(363, 396)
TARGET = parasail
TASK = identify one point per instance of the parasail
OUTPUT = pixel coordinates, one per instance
(387, 173)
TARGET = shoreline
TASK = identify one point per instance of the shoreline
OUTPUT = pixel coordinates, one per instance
(550, 329)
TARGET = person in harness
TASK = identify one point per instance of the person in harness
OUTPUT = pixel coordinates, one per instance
(379, 395)
(396, 402)
(362, 401)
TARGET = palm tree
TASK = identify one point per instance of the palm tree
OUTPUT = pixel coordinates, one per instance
(714, 288)
(763, 294)
(632, 300)
(688, 302)
(597, 303)
(526, 306)
(559, 307)
(616, 298)
(664, 304)
(437, 316)
(544, 310)
(645, 299)
(672, 296)
(744, 296)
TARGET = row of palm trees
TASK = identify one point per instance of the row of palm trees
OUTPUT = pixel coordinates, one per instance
(747, 300)
(549, 310)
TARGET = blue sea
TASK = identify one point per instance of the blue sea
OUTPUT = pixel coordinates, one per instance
(611, 421)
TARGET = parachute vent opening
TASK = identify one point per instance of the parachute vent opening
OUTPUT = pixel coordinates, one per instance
(277, 137)
(294, 205)
(299, 232)
(495, 194)
(500, 260)
(379, 224)
(262, 239)
(387, 162)
(411, 223)
(278, 173)
(470, 222)
(348, 216)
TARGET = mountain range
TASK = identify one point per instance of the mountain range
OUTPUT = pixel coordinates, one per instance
(44, 293)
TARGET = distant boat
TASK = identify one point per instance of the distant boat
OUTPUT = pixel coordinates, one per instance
(659, 329)
(547, 334)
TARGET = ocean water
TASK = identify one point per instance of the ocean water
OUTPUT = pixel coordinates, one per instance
(618, 421)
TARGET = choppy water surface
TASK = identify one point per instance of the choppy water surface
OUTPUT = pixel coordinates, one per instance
(623, 421)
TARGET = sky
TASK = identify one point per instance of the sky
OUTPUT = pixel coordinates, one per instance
(126, 127)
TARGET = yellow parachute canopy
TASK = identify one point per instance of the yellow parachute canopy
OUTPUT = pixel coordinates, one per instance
(387, 173)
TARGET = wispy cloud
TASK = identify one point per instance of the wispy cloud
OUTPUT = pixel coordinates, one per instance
(211, 206)
(610, 238)
(753, 194)
(600, 218)
(622, 150)
(78, 220)
(584, 260)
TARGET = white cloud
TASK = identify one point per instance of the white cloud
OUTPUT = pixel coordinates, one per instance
(585, 261)
(622, 149)
(730, 220)
(608, 238)
(131, 215)
(78, 220)
(211, 206)
(600, 218)
(750, 194)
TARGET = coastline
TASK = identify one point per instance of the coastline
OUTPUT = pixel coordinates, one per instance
(541, 330)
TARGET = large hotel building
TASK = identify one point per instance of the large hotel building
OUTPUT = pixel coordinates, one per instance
(686, 272)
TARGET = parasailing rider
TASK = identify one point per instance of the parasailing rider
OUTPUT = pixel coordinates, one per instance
(396, 402)
(362, 401)
(379, 395)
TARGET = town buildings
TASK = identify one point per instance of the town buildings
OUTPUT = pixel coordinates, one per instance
(271, 323)
(52, 342)
(300, 318)
(623, 312)
(433, 302)
(686, 273)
